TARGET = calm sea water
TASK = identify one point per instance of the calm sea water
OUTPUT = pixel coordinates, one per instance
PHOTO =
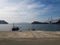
(25, 27)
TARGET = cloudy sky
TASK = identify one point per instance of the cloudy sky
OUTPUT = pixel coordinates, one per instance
(29, 10)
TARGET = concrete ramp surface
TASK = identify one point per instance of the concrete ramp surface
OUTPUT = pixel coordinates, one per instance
(30, 38)
(30, 34)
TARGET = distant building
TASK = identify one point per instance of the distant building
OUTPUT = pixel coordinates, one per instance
(3, 22)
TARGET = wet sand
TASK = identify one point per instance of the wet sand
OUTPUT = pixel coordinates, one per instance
(30, 38)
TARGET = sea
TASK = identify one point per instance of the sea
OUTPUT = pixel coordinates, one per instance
(29, 27)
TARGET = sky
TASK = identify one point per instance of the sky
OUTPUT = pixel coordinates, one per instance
(29, 10)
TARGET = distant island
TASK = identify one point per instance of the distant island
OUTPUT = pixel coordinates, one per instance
(37, 22)
(3, 22)
(58, 22)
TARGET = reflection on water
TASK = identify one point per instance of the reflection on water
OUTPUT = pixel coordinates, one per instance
(47, 27)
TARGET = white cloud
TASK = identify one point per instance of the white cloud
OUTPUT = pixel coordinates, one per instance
(21, 12)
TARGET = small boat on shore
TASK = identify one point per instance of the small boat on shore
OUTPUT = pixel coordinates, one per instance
(15, 28)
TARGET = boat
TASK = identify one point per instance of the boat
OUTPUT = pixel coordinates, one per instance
(15, 28)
